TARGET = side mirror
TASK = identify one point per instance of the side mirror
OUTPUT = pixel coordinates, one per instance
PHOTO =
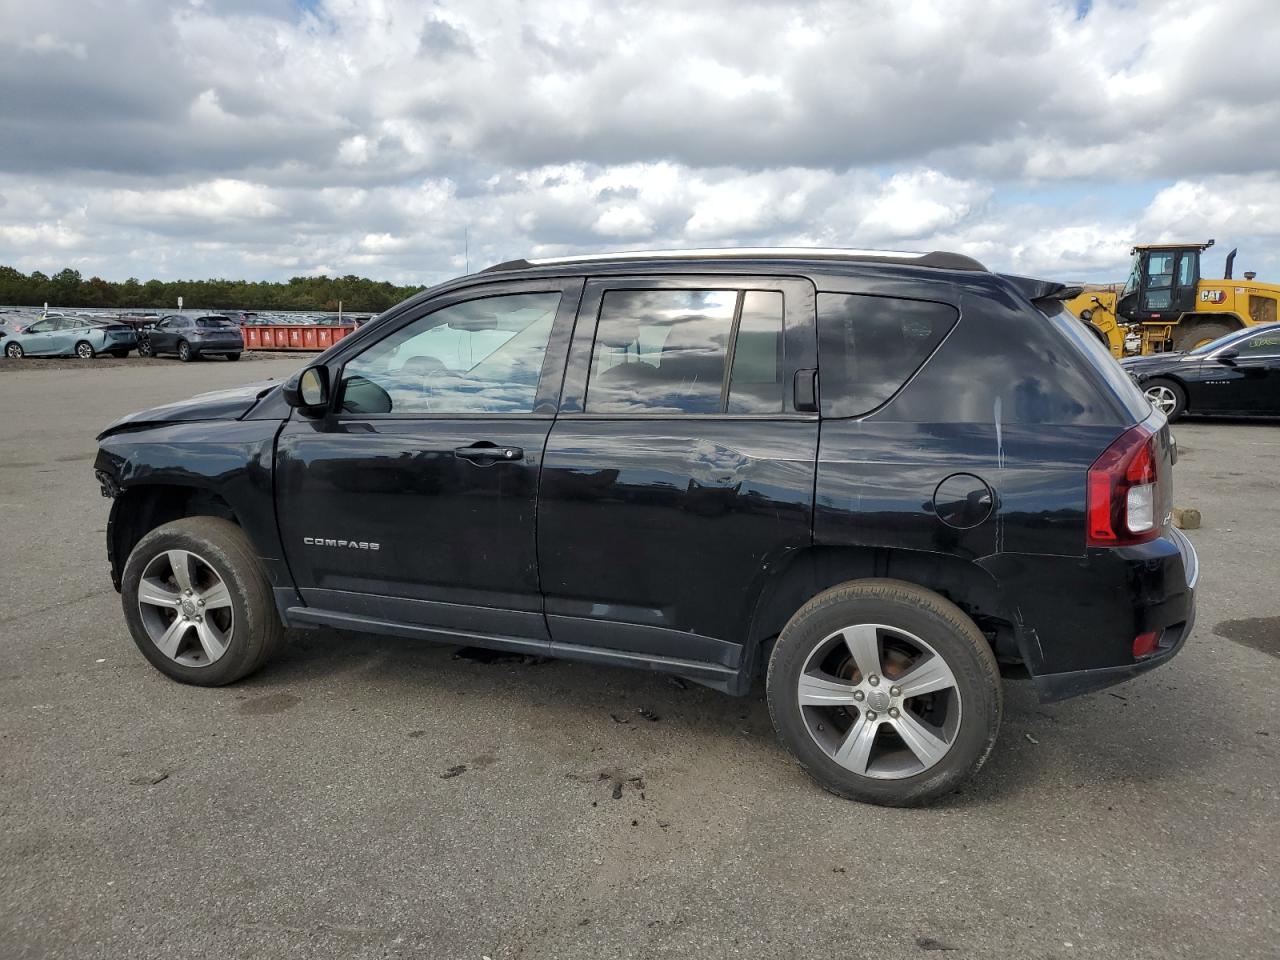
(1228, 356)
(308, 390)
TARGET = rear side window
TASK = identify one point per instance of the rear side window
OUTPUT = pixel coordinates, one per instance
(870, 346)
(214, 322)
(669, 352)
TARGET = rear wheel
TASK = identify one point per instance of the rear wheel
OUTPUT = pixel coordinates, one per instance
(885, 692)
(1198, 334)
(119, 354)
(1166, 396)
(145, 349)
(198, 603)
(13, 351)
(233, 356)
(184, 352)
(84, 350)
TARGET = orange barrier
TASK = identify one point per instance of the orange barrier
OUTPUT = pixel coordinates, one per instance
(300, 337)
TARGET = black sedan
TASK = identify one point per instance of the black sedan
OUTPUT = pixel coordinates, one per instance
(1235, 375)
(193, 337)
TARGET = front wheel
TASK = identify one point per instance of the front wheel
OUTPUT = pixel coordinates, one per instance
(13, 351)
(233, 356)
(1198, 334)
(184, 351)
(84, 350)
(145, 349)
(198, 603)
(885, 692)
(1167, 397)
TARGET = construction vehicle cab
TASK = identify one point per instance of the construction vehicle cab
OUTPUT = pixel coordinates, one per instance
(1167, 304)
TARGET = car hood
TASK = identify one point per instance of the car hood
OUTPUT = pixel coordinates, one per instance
(1156, 363)
(230, 404)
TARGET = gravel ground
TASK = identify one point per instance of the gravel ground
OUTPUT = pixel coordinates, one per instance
(368, 797)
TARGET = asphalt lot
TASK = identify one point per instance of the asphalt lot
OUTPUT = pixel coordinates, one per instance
(306, 812)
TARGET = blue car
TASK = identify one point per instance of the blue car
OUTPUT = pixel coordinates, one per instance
(83, 337)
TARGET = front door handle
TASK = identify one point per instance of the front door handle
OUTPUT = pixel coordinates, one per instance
(485, 453)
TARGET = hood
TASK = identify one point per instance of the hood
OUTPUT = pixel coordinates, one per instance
(230, 404)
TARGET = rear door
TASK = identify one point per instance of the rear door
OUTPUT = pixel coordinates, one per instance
(413, 501)
(679, 475)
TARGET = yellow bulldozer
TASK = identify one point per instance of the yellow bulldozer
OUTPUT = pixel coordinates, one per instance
(1167, 305)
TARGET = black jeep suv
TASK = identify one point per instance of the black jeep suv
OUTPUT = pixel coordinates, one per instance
(869, 478)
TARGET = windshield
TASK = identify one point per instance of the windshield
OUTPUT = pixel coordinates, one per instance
(1135, 274)
(1213, 345)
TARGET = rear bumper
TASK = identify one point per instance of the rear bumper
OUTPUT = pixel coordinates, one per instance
(1172, 617)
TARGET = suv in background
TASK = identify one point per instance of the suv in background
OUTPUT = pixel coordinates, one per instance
(190, 338)
(869, 478)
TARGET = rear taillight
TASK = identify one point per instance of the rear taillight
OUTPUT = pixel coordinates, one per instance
(1122, 491)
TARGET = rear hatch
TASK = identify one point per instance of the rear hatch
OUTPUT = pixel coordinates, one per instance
(218, 330)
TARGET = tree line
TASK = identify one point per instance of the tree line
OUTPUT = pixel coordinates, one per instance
(67, 288)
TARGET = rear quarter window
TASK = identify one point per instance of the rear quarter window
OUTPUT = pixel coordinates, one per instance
(1099, 357)
(870, 346)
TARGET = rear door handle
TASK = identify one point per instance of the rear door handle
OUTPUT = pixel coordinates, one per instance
(485, 453)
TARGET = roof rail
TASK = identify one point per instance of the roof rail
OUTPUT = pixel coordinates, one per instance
(935, 258)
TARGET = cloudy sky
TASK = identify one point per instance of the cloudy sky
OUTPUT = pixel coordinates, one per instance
(269, 139)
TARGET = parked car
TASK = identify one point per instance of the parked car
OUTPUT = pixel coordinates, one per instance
(868, 478)
(190, 338)
(67, 336)
(1236, 375)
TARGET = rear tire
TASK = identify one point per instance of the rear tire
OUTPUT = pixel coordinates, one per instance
(233, 356)
(1198, 334)
(84, 350)
(145, 349)
(220, 568)
(14, 351)
(184, 352)
(853, 733)
(1167, 396)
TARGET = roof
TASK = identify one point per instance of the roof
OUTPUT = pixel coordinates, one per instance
(1172, 246)
(937, 258)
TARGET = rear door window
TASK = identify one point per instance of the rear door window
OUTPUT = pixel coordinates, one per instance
(870, 346)
(686, 351)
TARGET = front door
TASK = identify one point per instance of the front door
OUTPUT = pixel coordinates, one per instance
(412, 500)
(679, 475)
(1249, 383)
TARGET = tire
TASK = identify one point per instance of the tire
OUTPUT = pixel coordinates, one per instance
(233, 356)
(908, 628)
(241, 617)
(120, 354)
(145, 349)
(1199, 333)
(14, 351)
(184, 352)
(84, 350)
(1167, 396)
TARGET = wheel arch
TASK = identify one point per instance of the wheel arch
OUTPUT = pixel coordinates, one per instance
(817, 568)
(142, 507)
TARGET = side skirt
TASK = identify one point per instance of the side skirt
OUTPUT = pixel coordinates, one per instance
(712, 675)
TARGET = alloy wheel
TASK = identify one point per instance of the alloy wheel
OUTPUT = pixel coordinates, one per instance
(84, 351)
(1162, 398)
(879, 701)
(14, 351)
(186, 608)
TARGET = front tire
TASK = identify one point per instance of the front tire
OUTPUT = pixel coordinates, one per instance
(184, 352)
(198, 602)
(885, 692)
(233, 356)
(1167, 396)
(145, 349)
(13, 351)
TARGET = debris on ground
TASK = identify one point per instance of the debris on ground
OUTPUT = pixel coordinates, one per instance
(648, 715)
(617, 791)
(1186, 518)
(453, 771)
(150, 778)
(678, 683)
(618, 719)
(928, 943)
(1032, 739)
(485, 655)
